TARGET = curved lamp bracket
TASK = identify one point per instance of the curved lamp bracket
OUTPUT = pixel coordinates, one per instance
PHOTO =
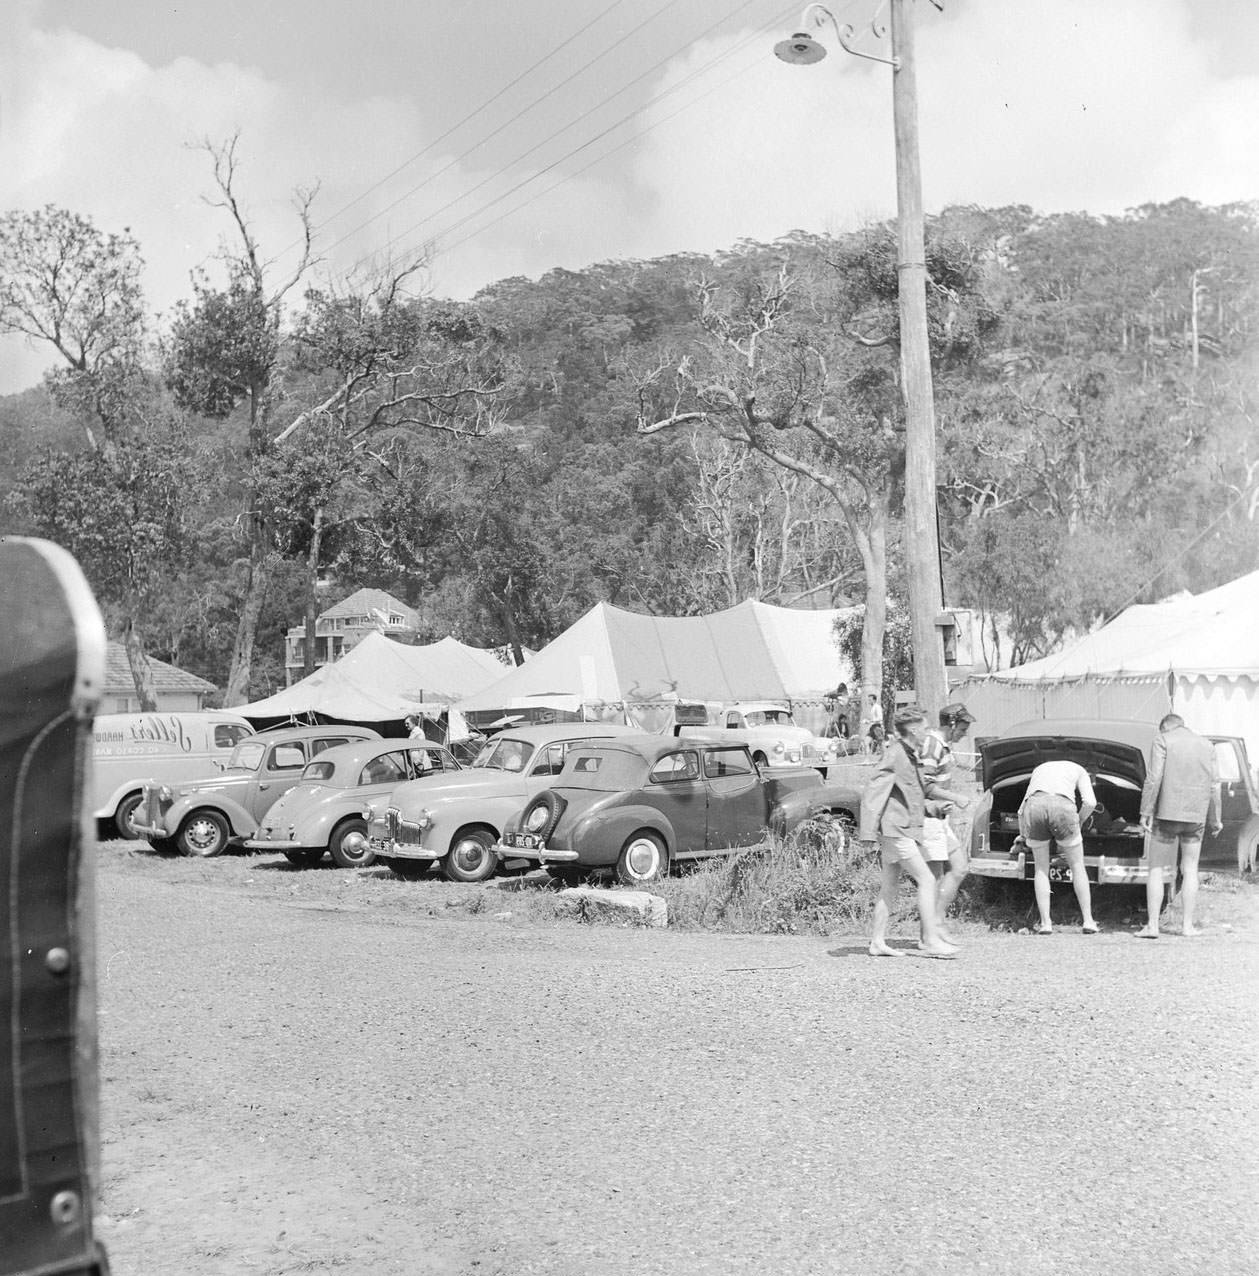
(819, 14)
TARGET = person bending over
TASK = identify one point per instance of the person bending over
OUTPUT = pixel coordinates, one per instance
(1049, 814)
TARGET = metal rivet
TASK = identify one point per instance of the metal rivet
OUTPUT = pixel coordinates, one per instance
(57, 960)
(65, 1207)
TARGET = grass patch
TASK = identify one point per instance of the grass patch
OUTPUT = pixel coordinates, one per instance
(813, 882)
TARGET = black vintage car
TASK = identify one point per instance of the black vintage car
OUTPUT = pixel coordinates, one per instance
(639, 803)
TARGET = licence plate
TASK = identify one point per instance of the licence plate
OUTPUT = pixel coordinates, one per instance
(526, 841)
(1057, 874)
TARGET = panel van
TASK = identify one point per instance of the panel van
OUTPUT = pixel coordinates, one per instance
(171, 748)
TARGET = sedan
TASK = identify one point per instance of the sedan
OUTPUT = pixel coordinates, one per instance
(323, 812)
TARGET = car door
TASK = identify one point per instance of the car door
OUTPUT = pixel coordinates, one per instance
(677, 790)
(1238, 803)
(737, 813)
(281, 769)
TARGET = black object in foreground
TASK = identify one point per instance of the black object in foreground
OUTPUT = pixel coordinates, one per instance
(52, 665)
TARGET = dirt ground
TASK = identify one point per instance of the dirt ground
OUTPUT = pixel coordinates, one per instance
(320, 1070)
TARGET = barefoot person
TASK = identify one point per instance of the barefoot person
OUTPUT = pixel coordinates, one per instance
(892, 810)
(944, 851)
(1182, 791)
(1049, 814)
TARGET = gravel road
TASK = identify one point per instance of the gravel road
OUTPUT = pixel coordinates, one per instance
(297, 1080)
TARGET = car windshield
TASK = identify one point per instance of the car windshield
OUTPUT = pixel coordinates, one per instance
(605, 771)
(246, 756)
(769, 718)
(504, 754)
(316, 771)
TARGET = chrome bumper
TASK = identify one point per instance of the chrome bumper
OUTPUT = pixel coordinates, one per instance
(539, 853)
(384, 847)
(151, 830)
(271, 844)
(1105, 872)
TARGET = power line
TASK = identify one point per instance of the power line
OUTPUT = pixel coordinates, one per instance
(454, 128)
(712, 62)
(458, 159)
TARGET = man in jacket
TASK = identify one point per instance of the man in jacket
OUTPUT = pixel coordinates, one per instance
(1182, 792)
(893, 807)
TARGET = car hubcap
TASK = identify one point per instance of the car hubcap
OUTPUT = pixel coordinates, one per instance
(203, 835)
(641, 859)
(354, 845)
(468, 855)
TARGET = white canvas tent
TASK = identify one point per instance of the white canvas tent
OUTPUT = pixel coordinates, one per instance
(612, 657)
(1198, 654)
(380, 680)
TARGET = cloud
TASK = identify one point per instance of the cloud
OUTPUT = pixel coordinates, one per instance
(1060, 104)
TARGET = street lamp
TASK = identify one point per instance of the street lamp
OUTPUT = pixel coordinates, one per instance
(922, 542)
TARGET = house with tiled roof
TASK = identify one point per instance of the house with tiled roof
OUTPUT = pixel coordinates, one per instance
(343, 626)
(178, 691)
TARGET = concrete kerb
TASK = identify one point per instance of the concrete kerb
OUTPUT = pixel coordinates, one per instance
(593, 904)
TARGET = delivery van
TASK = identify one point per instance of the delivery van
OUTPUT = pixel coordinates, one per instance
(129, 748)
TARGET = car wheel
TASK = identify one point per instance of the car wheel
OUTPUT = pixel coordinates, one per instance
(305, 856)
(349, 845)
(471, 856)
(203, 834)
(643, 859)
(124, 817)
(408, 870)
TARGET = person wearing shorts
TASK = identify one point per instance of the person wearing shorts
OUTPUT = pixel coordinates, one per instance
(1049, 815)
(944, 851)
(893, 807)
(1182, 792)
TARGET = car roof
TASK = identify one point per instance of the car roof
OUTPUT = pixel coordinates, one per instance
(761, 704)
(1128, 731)
(554, 731)
(363, 751)
(306, 733)
(651, 747)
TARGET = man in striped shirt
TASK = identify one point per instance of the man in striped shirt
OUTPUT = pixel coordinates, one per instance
(944, 851)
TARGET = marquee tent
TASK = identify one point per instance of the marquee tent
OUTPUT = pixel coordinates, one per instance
(1198, 654)
(380, 680)
(750, 652)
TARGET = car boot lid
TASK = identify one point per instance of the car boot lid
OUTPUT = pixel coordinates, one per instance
(1115, 748)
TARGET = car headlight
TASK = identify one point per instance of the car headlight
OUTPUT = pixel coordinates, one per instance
(424, 820)
(292, 831)
(369, 813)
(778, 746)
(535, 821)
(164, 794)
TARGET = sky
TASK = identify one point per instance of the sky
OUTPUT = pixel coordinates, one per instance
(513, 136)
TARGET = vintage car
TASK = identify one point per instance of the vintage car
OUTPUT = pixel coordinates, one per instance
(323, 811)
(204, 818)
(456, 819)
(773, 738)
(644, 802)
(164, 748)
(1114, 753)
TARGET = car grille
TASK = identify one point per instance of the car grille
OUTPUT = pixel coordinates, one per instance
(405, 832)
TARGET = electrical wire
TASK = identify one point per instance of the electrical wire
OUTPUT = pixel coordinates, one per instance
(458, 159)
(603, 133)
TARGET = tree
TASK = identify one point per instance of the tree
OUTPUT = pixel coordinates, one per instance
(224, 349)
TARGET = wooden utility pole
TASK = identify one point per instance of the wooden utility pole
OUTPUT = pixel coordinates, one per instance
(922, 542)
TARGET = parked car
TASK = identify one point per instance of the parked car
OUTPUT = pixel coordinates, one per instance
(1115, 754)
(456, 819)
(640, 804)
(773, 737)
(167, 748)
(323, 812)
(204, 818)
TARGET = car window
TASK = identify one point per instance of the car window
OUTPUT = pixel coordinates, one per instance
(426, 761)
(331, 742)
(227, 735)
(389, 768)
(551, 761)
(588, 764)
(675, 766)
(287, 757)
(505, 754)
(247, 756)
(319, 771)
(719, 762)
(1226, 759)
(732, 721)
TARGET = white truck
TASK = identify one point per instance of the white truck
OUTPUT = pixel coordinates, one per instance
(775, 740)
